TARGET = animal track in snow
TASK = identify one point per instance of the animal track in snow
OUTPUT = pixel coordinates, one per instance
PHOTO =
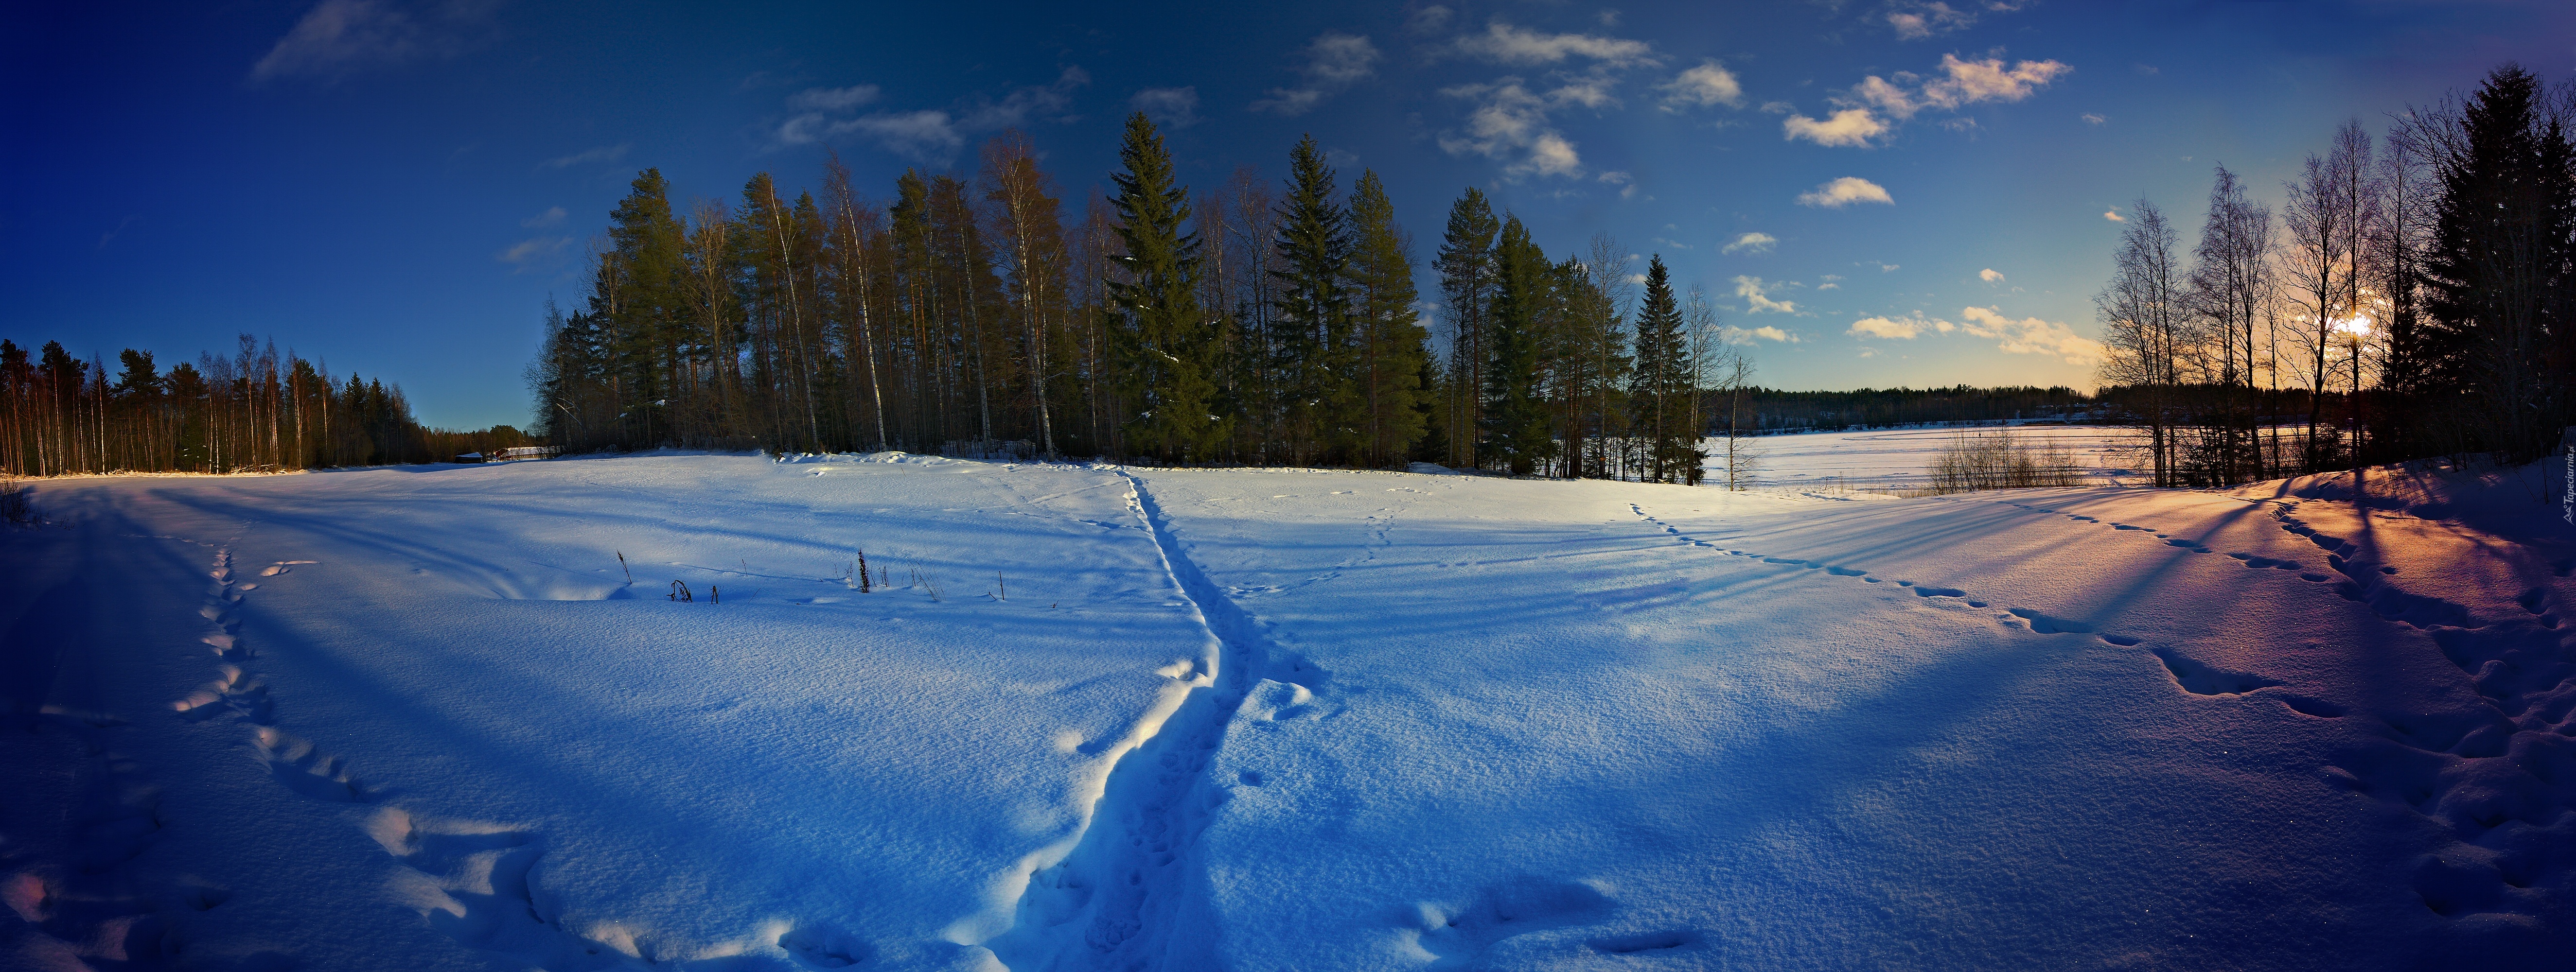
(2040, 623)
(2200, 679)
(2475, 769)
(307, 770)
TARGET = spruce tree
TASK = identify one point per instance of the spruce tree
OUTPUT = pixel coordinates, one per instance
(1394, 353)
(1513, 434)
(1662, 386)
(1166, 338)
(1466, 264)
(1317, 358)
(2500, 268)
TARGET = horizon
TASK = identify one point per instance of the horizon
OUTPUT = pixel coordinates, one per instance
(397, 190)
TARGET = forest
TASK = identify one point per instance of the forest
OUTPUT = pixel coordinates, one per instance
(256, 410)
(1250, 324)
(2411, 298)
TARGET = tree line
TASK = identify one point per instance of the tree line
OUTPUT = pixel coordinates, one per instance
(2412, 298)
(256, 410)
(1252, 323)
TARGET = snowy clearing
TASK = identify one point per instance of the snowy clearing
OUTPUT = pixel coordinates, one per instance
(1894, 460)
(419, 718)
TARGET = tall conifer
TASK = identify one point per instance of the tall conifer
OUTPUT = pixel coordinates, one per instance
(1166, 336)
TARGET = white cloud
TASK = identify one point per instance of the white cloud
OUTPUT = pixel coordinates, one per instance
(1751, 243)
(1990, 275)
(604, 153)
(1505, 44)
(531, 253)
(833, 99)
(1429, 19)
(1844, 192)
(2113, 214)
(1901, 328)
(1887, 328)
(2031, 335)
(931, 134)
(1511, 124)
(1873, 107)
(1964, 83)
(1738, 335)
(553, 216)
(1757, 296)
(926, 133)
(2093, 119)
(1626, 183)
(1708, 84)
(1850, 128)
(1169, 107)
(1916, 19)
(337, 37)
(1334, 62)
(1777, 108)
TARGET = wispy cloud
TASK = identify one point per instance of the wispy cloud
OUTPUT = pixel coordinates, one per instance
(553, 216)
(1503, 43)
(1916, 20)
(340, 37)
(1703, 86)
(533, 253)
(1740, 335)
(110, 236)
(604, 153)
(1334, 61)
(1990, 275)
(1871, 109)
(1898, 328)
(833, 99)
(1757, 296)
(1848, 128)
(1511, 120)
(929, 134)
(2113, 214)
(1844, 192)
(1168, 107)
(1751, 243)
(2094, 119)
(2031, 335)
(1510, 124)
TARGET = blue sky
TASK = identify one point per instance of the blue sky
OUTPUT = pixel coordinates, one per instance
(397, 187)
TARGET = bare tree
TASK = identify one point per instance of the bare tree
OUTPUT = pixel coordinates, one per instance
(2142, 315)
(1033, 242)
(2230, 285)
(2327, 216)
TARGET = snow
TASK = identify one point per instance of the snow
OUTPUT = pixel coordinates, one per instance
(1898, 459)
(418, 718)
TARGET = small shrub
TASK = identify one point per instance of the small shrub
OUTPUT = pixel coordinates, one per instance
(2002, 461)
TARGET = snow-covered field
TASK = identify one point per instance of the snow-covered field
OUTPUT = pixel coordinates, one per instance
(1895, 460)
(419, 719)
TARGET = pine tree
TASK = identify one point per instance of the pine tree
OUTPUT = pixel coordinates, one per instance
(1393, 347)
(1661, 386)
(1325, 412)
(1466, 263)
(2499, 271)
(1513, 433)
(1166, 337)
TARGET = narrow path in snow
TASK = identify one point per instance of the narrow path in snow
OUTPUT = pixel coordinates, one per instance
(468, 879)
(2192, 676)
(1128, 897)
